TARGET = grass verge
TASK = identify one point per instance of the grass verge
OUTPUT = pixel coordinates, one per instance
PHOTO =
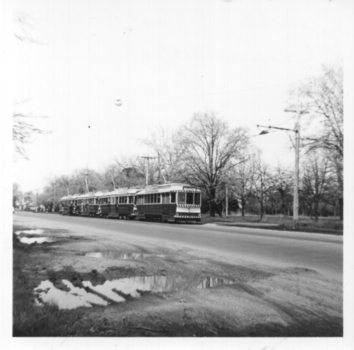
(323, 225)
(30, 320)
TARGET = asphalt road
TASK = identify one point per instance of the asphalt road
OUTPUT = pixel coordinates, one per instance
(323, 253)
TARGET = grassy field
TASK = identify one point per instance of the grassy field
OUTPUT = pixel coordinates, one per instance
(327, 225)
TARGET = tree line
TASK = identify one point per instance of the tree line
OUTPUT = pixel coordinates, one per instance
(207, 153)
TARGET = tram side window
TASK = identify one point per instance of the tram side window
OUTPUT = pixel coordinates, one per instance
(165, 198)
(181, 197)
(197, 199)
(158, 198)
(190, 198)
(173, 197)
(131, 199)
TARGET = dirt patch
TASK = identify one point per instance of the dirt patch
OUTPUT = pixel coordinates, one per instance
(185, 295)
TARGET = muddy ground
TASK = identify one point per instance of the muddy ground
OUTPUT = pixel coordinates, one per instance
(194, 294)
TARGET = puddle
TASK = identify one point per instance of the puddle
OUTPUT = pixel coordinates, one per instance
(76, 297)
(121, 255)
(30, 232)
(38, 240)
(155, 284)
(132, 286)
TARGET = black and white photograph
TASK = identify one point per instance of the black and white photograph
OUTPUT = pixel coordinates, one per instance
(177, 170)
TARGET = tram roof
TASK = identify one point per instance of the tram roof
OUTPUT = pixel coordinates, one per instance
(117, 192)
(69, 197)
(172, 187)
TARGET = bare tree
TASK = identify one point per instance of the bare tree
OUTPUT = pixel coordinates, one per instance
(22, 133)
(261, 185)
(23, 129)
(130, 172)
(282, 184)
(317, 181)
(81, 177)
(322, 96)
(210, 151)
(166, 147)
(17, 195)
(243, 179)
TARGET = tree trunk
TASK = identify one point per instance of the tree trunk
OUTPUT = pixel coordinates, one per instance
(316, 211)
(262, 210)
(243, 203)
(212, 203)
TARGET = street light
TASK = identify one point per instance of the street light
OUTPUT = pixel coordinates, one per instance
(296, 170)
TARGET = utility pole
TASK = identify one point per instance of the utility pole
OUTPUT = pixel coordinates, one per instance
(147, 168)
(296, 129)
(297, 157)
(298, 112)
(86, 174)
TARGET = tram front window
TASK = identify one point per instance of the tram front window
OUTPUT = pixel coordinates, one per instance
(181, 197)
(189, 198)
(197, 199)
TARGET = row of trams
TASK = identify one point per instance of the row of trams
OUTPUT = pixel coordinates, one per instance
(169, 202)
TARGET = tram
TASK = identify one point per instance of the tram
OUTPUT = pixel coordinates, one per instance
(174, 202)
(66, 205)
(119, 203)
(169, 202)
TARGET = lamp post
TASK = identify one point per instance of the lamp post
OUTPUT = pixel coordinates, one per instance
(296, 170)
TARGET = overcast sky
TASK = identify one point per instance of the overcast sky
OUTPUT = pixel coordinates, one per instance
(164, 60)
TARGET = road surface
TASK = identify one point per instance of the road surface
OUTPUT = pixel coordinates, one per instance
(323, 253)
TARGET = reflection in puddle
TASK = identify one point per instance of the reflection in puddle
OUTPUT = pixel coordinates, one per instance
(76, 297)
(37, 240)
(29, 232)
(121, 255)
(46, 292)
(156, 284)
